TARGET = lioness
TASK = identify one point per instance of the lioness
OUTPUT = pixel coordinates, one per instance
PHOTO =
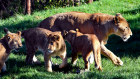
(86, 44)
(100, 24)
(9, 42)
(50, 43)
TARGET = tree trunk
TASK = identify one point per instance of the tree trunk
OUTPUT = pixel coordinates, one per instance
(90, 1)
(28, 4)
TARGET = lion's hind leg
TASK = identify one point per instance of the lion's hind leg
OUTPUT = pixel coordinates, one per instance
(91, 58)
(30, 55)
(97, 58)
(86, 56)
(30, 58)
(74, 56)
(97, 55)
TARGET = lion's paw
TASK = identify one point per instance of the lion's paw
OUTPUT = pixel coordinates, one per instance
(118, 62)
(49, 69)
(62, 66)
(98, 67)
(83, 71)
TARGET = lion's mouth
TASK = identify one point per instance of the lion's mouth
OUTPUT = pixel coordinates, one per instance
(50, 51)
(125, 39)
(16, 49)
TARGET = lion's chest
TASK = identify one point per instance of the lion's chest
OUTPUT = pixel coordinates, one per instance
(3, 54)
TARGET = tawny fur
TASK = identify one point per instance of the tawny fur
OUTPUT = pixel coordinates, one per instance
(50, 43)
(100, 24)
(9, 42)
(86, 45)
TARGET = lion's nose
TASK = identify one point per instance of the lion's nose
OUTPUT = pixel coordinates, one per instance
(131, 34)
(124, 38)
(19, 45)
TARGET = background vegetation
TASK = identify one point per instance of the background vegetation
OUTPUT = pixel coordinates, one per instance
(11, 7)
(128, 51)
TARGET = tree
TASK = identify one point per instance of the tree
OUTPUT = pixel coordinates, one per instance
(28, 7)
(90, 1)
(74, 2)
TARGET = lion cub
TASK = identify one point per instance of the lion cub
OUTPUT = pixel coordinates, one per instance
(50, 43)
(86, 44)
(9, 42)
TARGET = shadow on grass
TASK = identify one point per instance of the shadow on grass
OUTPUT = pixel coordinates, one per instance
(20, 26)
(68, 69)
(129, 48)
(14, 66)
(99, 75)
(20, 66)
(133, 12)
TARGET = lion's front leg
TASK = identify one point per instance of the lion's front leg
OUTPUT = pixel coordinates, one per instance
(1, 66)
(64, 60)
(116, 60)
(48, 64)
(4, 68)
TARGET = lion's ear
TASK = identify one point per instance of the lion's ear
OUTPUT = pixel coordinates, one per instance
(77, 30)
(56, 37)
(6, 31)
(50, 36)
(117, 18)
(8, 38)
(19, 33)
(65, 33)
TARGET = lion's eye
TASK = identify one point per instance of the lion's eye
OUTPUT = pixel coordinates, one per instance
(126, 27)
(51, 43)
(8, 38)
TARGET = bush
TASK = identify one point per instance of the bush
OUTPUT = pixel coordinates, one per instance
(11, 7)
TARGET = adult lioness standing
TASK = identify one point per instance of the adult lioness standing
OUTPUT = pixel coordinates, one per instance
(102, 25)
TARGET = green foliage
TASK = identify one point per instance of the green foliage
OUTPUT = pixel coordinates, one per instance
(11, 7)
(128, 51)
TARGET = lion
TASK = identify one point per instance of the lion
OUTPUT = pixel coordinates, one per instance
(100, 24)
(87, 45)
(8, 43)
(50, 43)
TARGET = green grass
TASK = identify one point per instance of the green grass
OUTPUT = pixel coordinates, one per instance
(129, 51)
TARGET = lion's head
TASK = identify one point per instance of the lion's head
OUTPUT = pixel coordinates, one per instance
(13, 39)
(122, 27)
(53, 42)
(69, 35)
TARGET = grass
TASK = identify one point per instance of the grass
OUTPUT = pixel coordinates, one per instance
(129, 51)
